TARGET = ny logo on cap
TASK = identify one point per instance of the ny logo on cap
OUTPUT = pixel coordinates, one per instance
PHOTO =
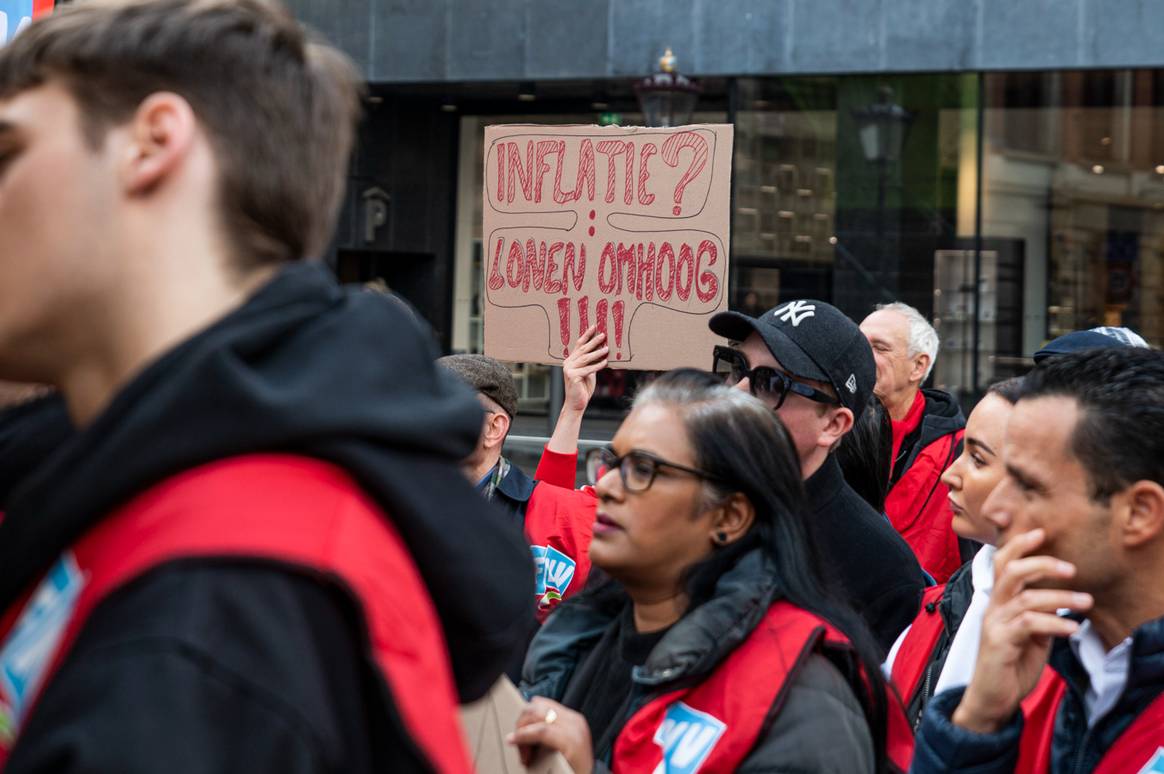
(795, 312)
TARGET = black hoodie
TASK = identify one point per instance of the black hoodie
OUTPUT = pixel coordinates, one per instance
(309, 368)
(29, 433)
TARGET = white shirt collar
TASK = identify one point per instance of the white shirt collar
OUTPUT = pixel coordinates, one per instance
(982, 570)
(1107, 670)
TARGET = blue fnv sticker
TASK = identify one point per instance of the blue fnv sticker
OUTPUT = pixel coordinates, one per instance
(555, 570)
(687, 737)
(15, 15)
(33, 641)
(1156, 764)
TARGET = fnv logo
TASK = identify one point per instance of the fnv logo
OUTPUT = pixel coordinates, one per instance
(1156, 764)
(795, 312)
(15, 15)
(687, 737)
(28, 651)
(555, 570)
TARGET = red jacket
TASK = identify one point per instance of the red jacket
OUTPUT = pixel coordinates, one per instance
(304, 514)
(558, 522)
(557, 468)
(925, 443)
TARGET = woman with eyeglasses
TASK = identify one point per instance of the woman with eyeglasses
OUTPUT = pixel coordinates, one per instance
(712, 644)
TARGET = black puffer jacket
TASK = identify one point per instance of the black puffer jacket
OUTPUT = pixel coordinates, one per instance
(952, 608)
(820, 726)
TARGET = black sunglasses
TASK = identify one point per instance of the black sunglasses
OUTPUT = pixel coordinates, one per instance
(637, 469)
(764, 382)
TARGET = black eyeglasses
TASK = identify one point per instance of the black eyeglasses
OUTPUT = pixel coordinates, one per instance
(764, 382)
(637, 469)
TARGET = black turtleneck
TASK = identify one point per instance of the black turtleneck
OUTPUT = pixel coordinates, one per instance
(869, 561)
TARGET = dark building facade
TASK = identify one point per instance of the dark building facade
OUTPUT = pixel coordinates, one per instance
(1025, 197)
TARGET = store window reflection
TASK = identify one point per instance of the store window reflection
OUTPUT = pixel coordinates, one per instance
(1074, 176)
(823, 209)
(785, 169)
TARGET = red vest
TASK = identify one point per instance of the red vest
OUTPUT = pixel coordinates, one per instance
(916, 504)
(306, 514)
(559, 524)
(713, 726)
(1141, 744)
(913, 657)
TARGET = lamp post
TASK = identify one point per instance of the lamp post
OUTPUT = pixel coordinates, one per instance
(666, 97)
(881, 128)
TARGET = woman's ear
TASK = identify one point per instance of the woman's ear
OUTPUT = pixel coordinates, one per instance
(732, 520)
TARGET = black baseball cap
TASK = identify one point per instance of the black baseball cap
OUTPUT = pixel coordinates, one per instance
(812, 340)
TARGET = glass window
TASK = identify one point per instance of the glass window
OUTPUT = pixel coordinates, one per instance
(858, 190)
(1074, 189)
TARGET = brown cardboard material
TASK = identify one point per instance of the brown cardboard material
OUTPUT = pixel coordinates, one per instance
(486, 723)
(621, 227)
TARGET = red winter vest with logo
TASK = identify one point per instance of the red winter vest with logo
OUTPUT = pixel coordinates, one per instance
(913, 657)
(713, 726)
(1140, 748)
(308, 515)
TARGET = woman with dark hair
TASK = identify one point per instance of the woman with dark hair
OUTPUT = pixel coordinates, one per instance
(866, 452)
(938, 651)
(711, 643)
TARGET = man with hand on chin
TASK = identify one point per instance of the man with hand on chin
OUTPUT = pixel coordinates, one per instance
(1082, 516)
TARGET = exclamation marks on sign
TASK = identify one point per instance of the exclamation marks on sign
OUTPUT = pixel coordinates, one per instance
(591, 232)
(616, 311)
(564, 324)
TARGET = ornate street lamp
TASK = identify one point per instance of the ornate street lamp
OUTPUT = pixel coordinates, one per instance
(881, 127)
(667, 98)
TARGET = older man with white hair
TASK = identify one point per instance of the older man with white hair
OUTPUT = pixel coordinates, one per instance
(927, 432)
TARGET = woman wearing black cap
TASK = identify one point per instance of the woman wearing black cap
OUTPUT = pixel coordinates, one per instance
(712, 644)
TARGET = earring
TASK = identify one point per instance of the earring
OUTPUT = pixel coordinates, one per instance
(721, 537)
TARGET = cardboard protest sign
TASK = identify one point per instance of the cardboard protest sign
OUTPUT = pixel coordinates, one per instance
(486, 723)
(625, 228)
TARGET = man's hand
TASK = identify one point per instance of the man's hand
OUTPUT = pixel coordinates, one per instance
(549, 725)
(580, 369)
(1017, 631)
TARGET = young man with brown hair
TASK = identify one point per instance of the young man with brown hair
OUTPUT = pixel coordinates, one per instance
(258, 552)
